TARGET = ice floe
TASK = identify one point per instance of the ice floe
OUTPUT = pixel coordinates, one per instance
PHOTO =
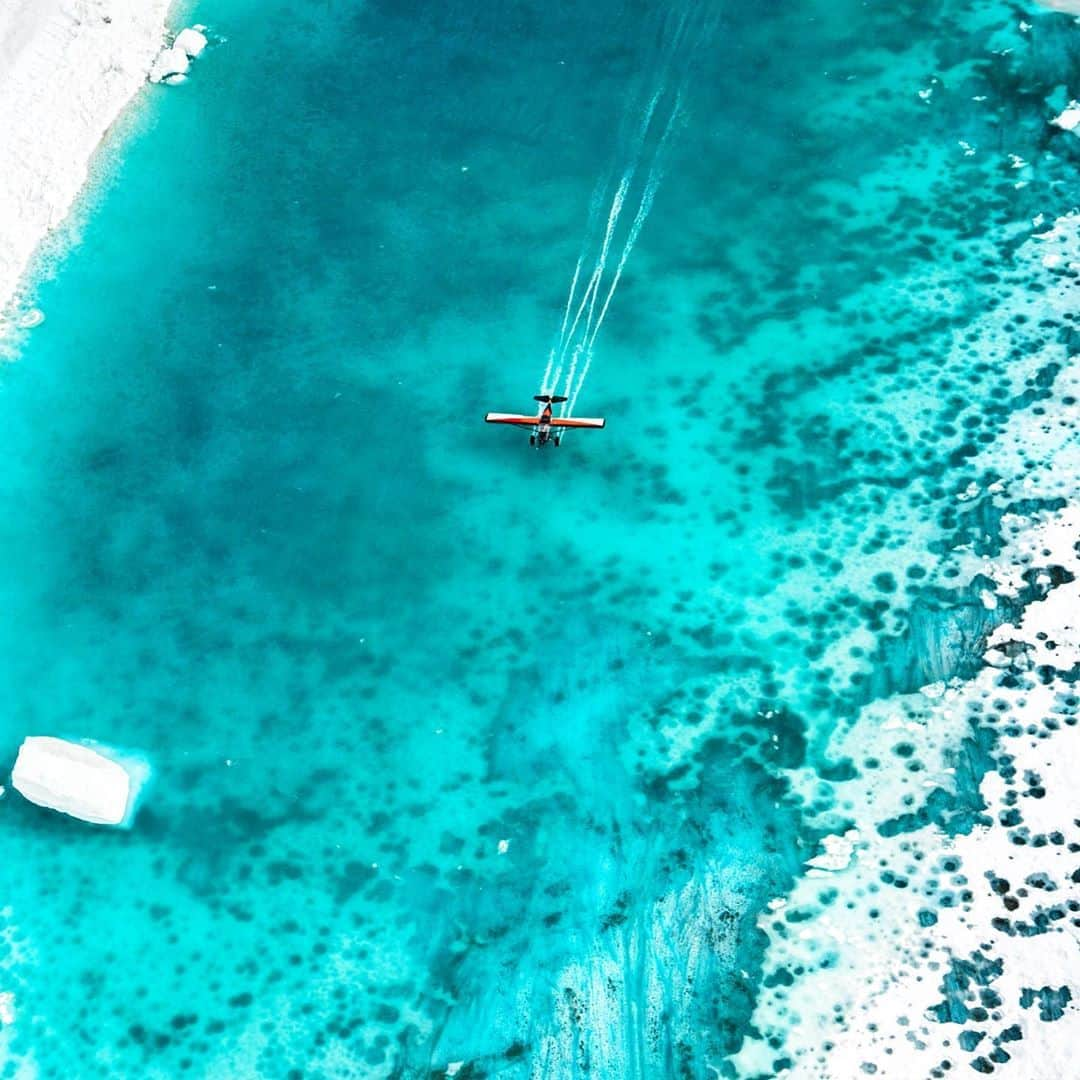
(1069, 117)
(91, 783)
(172, 63)
(951, 941)
(192, 41)
(838, 852)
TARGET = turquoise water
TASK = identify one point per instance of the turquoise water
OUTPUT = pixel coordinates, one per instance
(471, 760)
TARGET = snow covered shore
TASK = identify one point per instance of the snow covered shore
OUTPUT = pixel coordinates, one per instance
(948, 943)
(67, 69)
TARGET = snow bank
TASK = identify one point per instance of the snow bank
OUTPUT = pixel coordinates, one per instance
(92, 784)
(67, 68)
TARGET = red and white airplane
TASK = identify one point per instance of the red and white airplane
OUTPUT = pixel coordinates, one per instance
(545, 427)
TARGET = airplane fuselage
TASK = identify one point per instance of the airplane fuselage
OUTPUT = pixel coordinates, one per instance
(542, 432)
(545, 427)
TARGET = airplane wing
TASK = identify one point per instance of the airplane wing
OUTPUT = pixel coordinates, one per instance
(510, 418)
(578, 421)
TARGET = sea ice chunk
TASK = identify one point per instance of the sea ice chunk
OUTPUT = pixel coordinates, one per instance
(838, 851)
(170, 64)
(75, 780)
(191, 41)
(1069, 117)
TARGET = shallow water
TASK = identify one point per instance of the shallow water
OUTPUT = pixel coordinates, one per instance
(471, 759)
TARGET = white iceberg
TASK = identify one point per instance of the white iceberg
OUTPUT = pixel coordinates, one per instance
(192, 41)
(85, 782)
(1069, 117)
(171, 65)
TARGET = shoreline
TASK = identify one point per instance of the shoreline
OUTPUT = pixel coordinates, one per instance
(68, 68)
(922, 924)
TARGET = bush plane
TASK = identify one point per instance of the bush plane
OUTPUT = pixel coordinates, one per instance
(545, 427)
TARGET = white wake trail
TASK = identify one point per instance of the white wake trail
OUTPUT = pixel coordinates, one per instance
(681, 38)
(589, 299)
(562, 330)
(570, 300)
(649, 194)
(647, 198)
(620, 198)
(569, 339)
(592, 291)
(596, 204)
(570, 377)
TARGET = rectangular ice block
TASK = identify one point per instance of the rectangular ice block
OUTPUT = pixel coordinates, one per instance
(73, 779)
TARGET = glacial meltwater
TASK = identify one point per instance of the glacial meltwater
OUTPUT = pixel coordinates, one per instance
(472, 760)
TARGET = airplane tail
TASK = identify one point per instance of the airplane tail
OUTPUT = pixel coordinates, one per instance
(549, 399)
